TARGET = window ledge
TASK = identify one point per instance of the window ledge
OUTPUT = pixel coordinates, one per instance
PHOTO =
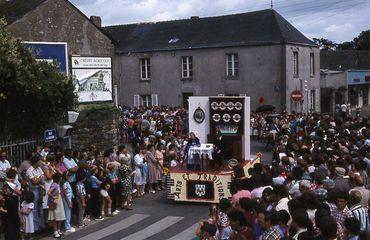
(232, 78)
(145, 80)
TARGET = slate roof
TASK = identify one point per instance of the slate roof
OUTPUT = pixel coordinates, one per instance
(263, 27)
(345, 60)
(13, 10)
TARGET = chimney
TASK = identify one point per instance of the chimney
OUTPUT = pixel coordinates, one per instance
(96, 20)
(194, 17)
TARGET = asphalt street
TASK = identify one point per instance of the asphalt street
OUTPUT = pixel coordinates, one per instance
(153, 217)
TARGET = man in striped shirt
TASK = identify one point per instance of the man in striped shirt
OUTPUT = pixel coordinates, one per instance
(358, 211)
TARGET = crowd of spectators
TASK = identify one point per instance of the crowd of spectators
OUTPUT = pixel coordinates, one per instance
(64, 189)
(315, 187)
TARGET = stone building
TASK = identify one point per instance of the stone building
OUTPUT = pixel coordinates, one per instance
(259, 54)
(56, 21)
(334, 89)
(59, 21)
(356, 65)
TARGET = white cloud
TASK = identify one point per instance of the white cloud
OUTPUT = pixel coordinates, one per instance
(333, 28)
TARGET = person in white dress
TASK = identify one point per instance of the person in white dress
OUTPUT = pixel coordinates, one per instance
(140, 171)
(26, 213)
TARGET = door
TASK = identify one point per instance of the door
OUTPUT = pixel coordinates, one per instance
(185, 99)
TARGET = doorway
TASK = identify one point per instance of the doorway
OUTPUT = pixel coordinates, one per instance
(185, 99)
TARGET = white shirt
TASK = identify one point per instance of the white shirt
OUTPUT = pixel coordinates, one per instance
(139, 160)
(125, 158)
(282, 205)
(279, 180)
(34, 172)
(4, 165)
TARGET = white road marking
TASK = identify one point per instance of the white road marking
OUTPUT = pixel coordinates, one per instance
(153, 229)
(187, 234)
(116, 227)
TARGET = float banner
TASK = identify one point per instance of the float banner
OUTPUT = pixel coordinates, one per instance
(199, 187)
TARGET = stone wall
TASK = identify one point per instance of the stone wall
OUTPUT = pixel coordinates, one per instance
(59, 21)
(99, 126)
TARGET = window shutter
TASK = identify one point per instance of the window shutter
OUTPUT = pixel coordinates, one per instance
(136, 100)
(154, 100)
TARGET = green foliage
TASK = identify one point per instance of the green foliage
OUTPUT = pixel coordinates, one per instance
(106, 107)
(33, 95)
(325, 44)
(362, 42)
(346, 46)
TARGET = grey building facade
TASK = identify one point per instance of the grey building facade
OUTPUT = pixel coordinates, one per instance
(258, 54)
(334, 89)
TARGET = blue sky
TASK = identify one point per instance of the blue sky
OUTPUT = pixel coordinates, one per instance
(337, 20)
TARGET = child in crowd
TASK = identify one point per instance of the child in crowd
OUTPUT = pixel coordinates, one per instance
(55, 204)
(223, 222)
(95, 195)
(81, 199)
(206, 231)
(67, 195)
(114, 187)
(26, 213)
(107, 201)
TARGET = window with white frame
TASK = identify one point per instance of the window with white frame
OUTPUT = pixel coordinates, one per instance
(187, 67)
(232, 65)
(146, 100)
(145, 68)
(154, 100)
(312, 64)
(295, 64)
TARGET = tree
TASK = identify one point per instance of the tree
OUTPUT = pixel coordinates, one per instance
(325, 44)
(33, 95)
(362, 42)
(346, 46)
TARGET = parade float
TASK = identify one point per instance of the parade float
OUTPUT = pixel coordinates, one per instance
(222, 125)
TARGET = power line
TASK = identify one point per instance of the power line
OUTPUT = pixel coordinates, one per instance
(293, 8)
(319, 8)
(339, 12)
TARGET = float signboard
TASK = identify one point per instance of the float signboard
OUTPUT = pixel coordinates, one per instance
(199, 186)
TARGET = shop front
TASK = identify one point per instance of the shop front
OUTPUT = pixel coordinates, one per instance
(358, 87)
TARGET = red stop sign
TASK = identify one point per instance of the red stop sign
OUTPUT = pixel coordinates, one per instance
(296, 96)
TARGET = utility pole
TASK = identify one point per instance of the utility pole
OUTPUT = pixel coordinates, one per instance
(272, 4)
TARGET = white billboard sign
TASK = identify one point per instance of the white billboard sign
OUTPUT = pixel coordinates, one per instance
(91, 62)
(92, 77)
